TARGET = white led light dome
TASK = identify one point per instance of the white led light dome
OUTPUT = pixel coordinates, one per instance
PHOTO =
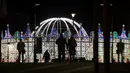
(60, 25)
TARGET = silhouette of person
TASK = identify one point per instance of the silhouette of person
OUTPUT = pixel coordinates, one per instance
(120, 50)
(2, 60)
(61, 42)
(71, 47)
(21, 50)
(46, 56)
(113, 60)
(127, 61)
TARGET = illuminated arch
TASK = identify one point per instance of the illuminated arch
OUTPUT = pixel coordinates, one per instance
(48, 25)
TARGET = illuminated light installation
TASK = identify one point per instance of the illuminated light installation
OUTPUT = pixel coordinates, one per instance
(116, 39)
(2, 34)
(49, 24)
(7, 32)
(100, 43)
(100, 33)
(28, 31)
(17, 35)
(123, 34)
(115, 35)
(49, 30)
(129, 34)
(129, 41)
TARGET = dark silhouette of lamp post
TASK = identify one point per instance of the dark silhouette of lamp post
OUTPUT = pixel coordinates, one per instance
(95, 43)
(80, 34)
(73, 15)
(106, 29)
(35, 5)
(111, 27)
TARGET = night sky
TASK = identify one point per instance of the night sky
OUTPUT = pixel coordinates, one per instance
(121, 14)
(21, 12)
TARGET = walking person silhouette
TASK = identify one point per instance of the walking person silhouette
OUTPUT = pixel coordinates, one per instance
(61, 42)
(71, 47)
(120, 50)
(21, 50)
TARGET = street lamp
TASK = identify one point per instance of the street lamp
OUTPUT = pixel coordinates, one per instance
(80, 31)
(73, 15)
(35, 5)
